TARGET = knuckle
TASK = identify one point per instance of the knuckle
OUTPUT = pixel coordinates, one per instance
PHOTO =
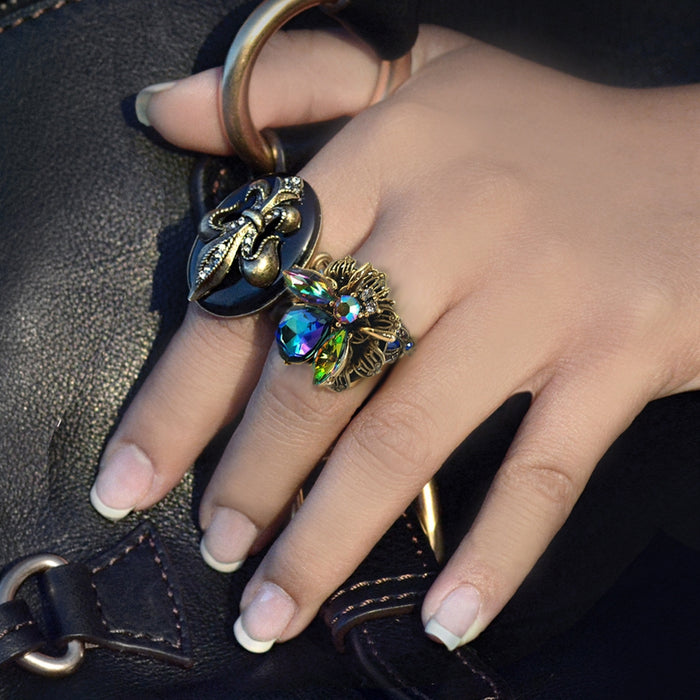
(390, 437)
(287, 403)
(390, 123)
(553, 486)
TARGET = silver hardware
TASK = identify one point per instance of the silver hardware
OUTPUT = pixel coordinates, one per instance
(34, 661)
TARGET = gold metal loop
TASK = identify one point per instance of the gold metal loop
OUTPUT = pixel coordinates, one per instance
(34, 661)
(249, 144)
(263, 151)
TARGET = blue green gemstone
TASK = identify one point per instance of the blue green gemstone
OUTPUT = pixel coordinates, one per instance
(308, 285)
(301, 331)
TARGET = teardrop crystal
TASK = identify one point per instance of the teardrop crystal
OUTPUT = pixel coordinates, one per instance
(331, 357)
(300, 332)
(308, 285)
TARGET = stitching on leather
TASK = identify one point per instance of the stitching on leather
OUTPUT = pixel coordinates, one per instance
(496, 694)
(39, 13)
(159, 562)
(118, 557)
(374, 582)
(414, 539)
(16, 628)
(369, 601)
(391, 671)
(171, 593)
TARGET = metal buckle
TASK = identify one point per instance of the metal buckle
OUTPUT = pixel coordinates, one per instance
(35, 661)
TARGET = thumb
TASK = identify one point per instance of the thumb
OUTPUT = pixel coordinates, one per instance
(300, 77)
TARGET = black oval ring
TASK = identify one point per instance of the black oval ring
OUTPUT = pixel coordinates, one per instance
(235, 296)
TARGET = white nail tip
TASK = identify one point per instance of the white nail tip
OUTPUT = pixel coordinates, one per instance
(435, 629)
(105, 510)
(247, 642)
(144, 97)
(223, 567)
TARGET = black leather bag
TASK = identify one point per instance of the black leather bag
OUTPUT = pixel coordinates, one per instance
(97, 220)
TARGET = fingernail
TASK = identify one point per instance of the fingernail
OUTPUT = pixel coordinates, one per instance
(143, 99)
(227, 540)
(454, 622)
(263, 621)
(123, 480)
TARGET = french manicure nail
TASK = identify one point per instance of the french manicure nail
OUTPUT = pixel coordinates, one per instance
(266, 617)
(454, 623)
(227, 540)
(143, 99)
(123, 480)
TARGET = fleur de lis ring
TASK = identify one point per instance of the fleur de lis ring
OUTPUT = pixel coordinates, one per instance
(342, 322)
(266, 226)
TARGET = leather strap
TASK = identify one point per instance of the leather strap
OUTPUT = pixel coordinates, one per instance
(19, 632)
(375, 617)
(125, 599)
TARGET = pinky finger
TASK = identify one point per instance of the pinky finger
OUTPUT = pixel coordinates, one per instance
(567, 430)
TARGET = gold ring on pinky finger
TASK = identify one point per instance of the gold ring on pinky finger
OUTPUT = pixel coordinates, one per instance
(342, 321)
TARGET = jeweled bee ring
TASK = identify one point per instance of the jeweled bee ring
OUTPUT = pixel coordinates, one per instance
(342, 321)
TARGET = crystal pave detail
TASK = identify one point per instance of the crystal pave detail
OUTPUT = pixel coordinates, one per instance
(249, 231)
(301, 331)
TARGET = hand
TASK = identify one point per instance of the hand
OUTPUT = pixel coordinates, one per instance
(539, 233)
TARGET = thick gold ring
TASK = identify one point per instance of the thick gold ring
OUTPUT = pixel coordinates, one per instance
(261, 150)
(342, 321)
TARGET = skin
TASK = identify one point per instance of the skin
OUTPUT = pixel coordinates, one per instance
(539, 233)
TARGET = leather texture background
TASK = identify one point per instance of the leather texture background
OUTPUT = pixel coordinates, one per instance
(96, 229)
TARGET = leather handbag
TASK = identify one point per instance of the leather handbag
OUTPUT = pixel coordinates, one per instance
(97, 220)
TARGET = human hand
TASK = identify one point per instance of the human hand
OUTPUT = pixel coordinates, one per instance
(539, 233)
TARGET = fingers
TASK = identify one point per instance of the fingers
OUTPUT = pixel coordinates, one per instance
(287, 428)
(211, 366)
(289, 424)
(300, 77)
(198, 385)
(378, 465)
(566, 432)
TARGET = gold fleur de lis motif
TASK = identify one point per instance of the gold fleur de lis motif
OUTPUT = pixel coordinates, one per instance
(248, 233)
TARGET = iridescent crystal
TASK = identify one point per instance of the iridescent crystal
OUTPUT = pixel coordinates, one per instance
(331, 356)
(308, 285)
(347, 309)
(301, 331)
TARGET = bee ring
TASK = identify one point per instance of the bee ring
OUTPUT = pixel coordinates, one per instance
(342, 321)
